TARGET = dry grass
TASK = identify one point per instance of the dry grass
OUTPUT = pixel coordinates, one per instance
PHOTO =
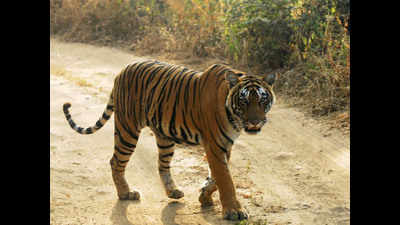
(321, 91)
(96, 21)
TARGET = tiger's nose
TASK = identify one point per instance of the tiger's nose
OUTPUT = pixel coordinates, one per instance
(255, 123)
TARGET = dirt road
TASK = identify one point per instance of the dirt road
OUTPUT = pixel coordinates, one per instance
(296, 171)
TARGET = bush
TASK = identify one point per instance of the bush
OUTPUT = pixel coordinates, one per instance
(258, 33)
(308, 39)
(103, 21)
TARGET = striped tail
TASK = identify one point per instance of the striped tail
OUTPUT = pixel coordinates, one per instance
(99, 124)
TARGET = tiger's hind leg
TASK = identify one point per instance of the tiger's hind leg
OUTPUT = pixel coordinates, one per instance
(124, 146)
(165, 152)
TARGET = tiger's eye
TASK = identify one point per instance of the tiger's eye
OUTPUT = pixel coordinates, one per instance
(243, 94)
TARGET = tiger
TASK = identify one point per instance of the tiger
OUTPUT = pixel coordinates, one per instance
(184, 106)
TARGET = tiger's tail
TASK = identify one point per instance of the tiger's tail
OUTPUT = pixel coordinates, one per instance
(100, 122)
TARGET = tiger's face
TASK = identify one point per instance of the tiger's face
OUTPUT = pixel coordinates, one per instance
(250, 99)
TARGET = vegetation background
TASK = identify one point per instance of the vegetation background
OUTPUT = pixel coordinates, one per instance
(306, 41)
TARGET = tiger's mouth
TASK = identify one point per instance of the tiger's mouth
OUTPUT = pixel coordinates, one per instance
(252, 130)
(254, 127)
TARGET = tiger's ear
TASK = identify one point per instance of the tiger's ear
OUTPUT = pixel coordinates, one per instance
(232, 78)
(270, 78)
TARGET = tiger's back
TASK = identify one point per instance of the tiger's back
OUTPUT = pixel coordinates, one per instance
(160, 96)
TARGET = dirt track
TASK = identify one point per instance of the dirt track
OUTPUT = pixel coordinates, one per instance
(296, 171)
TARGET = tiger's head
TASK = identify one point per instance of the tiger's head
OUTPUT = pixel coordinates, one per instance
(249, 99)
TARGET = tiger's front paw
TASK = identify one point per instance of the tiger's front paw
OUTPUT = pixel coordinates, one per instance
(205, 199)
(176, 194)
(132, 195)
(206, 191)
(234, 214)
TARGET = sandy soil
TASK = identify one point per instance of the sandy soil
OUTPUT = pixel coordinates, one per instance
(296, 171)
